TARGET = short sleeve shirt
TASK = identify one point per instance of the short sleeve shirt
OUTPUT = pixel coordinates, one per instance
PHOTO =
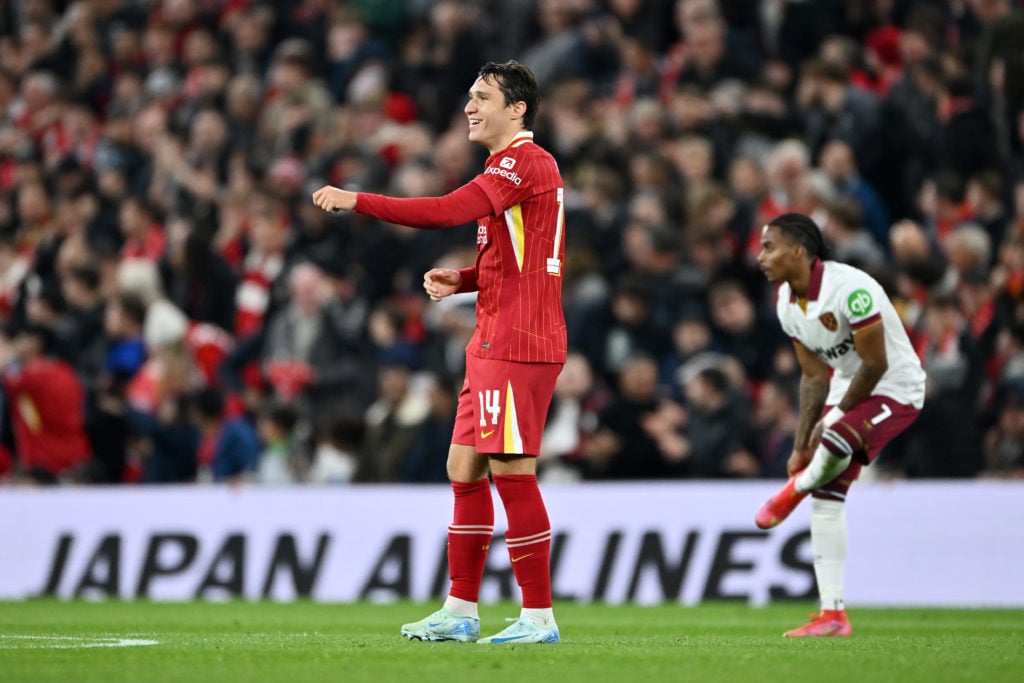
(841, 301)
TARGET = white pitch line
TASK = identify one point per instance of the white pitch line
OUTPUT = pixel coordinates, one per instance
(25, 642)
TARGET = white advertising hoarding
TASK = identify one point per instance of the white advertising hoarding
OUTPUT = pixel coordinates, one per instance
(928, 543)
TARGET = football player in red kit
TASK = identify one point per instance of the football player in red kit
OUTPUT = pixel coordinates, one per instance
(513, 358)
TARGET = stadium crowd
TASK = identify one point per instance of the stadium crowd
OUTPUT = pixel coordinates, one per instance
(174, 308)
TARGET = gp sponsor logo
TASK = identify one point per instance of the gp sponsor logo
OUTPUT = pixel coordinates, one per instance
(860, 302)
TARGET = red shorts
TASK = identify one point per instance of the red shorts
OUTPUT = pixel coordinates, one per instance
(503, 405)
(867, 428)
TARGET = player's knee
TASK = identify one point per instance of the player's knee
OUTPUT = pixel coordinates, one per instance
(465, 464)
(841, 441)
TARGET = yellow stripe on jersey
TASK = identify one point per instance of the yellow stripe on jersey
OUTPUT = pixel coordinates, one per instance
(516, 232)
(512, 438)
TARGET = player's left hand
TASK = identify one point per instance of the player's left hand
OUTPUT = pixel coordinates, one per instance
(334, 199)
(441, 282)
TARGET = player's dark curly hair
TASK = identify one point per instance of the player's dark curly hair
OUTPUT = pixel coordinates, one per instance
(800, 228)
(517, 83)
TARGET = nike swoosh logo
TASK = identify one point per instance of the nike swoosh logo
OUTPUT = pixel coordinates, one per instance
(484, 435)
(508, 638)
(521, 557)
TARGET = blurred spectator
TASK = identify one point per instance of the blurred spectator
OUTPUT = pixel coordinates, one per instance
(45, 405)
(350, 48)
(314, 351)
(162, 445)
(427, 456)
(837, 161)
(639, 434)
(986, 196)
(196, 278)
(392, 423)
(851, 242)
(968, 248)
(691, 335)
(770, 440)
(709, 51)
(836, 110)
(738, 329)
(141, 231)
(1004, 442)
(947, 445)
(123, 320)
(716, 424)
(265, 259)
(940, 200)
(279, 462)
(613, 331)
(13, 268)
(336, 454)
(229, 449)
(572, 418)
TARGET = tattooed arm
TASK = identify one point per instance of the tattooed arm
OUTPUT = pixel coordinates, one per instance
(814, 382)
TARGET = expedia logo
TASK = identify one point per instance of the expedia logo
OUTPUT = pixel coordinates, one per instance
(507, 162)
(511, 176)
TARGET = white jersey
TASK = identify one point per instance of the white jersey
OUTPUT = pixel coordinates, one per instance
(840, 301)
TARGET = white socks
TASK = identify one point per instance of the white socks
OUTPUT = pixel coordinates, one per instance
(542, 616)
(828, 542)
(461, 608)
(823, 468)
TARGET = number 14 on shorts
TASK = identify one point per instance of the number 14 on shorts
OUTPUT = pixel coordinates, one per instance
(490, 404)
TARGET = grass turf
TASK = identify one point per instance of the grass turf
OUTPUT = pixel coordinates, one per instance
(44, 640)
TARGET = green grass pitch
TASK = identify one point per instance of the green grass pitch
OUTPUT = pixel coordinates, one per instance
(82, 642)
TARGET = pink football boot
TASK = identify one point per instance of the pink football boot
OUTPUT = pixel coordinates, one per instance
(779, 506)
(830, 623)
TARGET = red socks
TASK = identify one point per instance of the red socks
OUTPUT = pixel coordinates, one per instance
(469, 537)
(528, 537)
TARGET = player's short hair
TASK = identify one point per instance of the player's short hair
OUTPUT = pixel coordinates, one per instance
(517, 84)
(800, 228)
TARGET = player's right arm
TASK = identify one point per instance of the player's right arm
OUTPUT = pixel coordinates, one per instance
(814, 382)
(464, 205)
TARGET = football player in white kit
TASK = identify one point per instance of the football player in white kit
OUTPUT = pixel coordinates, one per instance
(861, 385)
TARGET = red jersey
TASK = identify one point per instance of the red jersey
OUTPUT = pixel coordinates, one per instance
(517, 203)
(47, 413)
(520, 252)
